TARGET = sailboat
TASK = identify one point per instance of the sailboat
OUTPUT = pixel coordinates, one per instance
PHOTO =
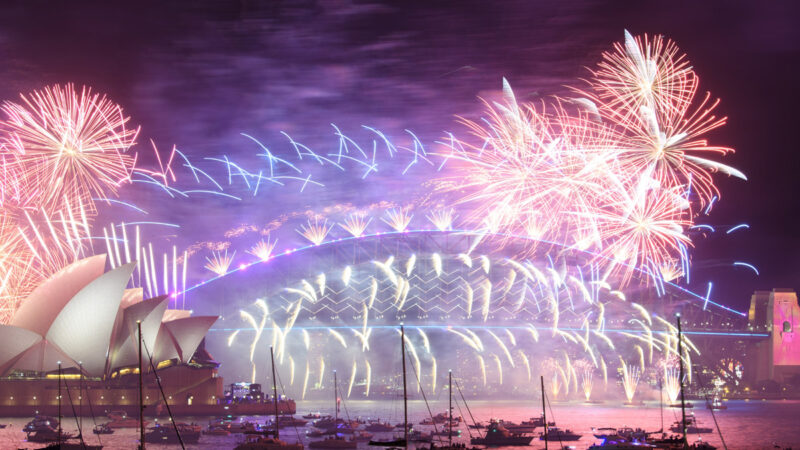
(685, 425)
(498, 435)
(171, 433)
(255, 442)
(552, 433)
(61, 439)
(336, 427)
(335, 424)
(400, 442)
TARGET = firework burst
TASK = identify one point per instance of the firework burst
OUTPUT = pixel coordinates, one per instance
(356, 224)
(630, 379)
(315, 232)
(219, 262)
(69, 144)
(263, 249)
(619, 171)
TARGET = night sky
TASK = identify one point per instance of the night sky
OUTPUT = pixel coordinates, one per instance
(196, 74)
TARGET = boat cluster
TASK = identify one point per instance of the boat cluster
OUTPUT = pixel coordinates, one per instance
(48, 430)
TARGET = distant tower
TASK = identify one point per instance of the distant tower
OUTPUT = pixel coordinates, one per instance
(776, 312)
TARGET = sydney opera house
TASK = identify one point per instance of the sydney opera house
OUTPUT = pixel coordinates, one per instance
(85, 320)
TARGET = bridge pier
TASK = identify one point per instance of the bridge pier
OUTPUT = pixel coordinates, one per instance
(777, 358)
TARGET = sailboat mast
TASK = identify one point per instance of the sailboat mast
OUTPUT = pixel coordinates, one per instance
(405, 394)
(335, 399)
(544, 413)
(661, 401)
(450, 407)
(680, 379)
(274, 390)
(80, 398)
(59, 404)
(141, 388)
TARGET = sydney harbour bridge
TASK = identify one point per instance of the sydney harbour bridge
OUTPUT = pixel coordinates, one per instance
(497, 309)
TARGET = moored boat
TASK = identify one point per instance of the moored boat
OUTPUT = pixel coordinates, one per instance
(103, 429)
(617, 442)
(165, 434)
(420, 436)
(497, 435)
(692, 426)
(557, 434)
(41, 422)
(48, 435)
(287, 421)
(338, 423)
(537, 422)
(244, 427)
(518, 428)
(627, 433)
(447, 431)
(379, 427)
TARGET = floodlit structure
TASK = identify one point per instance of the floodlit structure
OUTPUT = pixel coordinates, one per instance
(775, 312)
(86, 320)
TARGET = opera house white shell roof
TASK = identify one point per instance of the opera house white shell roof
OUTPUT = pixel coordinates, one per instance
(85, 318)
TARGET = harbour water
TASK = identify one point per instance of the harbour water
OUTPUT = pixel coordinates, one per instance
(745, 425)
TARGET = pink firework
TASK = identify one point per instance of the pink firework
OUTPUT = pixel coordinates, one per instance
(618, 171)
(69, 145)
(647, 90)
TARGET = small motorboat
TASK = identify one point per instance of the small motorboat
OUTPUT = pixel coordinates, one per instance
(244, 427)
(447, 431)
(312, 415)
(518, 428)
(41, 422)
(716, 404)
(617, 442)
(498, 436)
(165, 434)
(290, 421)
(440, 418)
(557, 434)
(627, 433)
(379, 427)
(691, 426)
(51, 435)
(420, 436)
(537, 422)
(604, 432)
(103, 429)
